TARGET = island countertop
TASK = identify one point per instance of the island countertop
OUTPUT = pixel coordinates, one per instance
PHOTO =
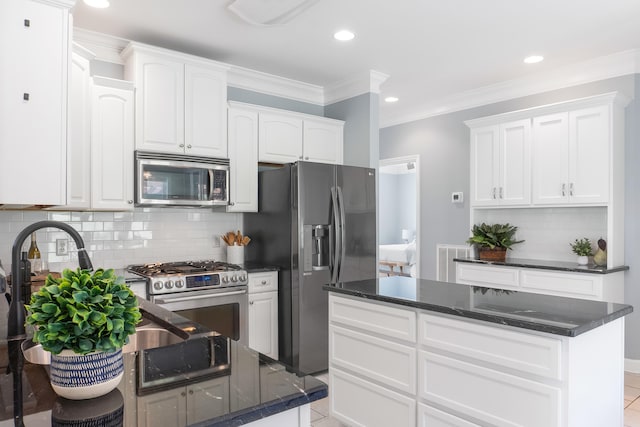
(247, 387)
(551, 314)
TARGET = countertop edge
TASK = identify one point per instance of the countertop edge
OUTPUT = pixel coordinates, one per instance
(539, 264)
(502, 320)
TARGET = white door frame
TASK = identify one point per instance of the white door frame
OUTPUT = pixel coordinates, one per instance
(415, 158)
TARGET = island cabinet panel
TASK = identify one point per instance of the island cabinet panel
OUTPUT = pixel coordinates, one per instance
(489, 395)
(381, 319)
(429, 416)
(163, 408)
(358, 402)
(531, 354)
(212, 403)
(575, 285)
(490, 277)
(378, 359)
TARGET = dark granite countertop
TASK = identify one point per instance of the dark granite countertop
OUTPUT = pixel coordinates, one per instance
(252, 386)
(555, 315)
(255, 267)
(548, 265)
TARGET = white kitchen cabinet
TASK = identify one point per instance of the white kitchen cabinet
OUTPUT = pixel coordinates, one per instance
(280, 139)
(182, 406)
(571, 157)
(323, 141)
(34, 40)
(500, 164)
(263, 313)
(79, 130)
(112, 145)
(592, 286)
(243, 159)
(180, 101)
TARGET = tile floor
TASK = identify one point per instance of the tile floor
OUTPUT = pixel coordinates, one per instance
(320, 409)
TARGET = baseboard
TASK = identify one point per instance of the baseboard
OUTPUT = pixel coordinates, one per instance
(632, 365)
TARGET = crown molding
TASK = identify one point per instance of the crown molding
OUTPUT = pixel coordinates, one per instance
(369, 81)
(601, 68)
(68, 4)
(106, 48)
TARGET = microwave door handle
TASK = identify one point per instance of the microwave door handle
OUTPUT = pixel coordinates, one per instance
(210, 195)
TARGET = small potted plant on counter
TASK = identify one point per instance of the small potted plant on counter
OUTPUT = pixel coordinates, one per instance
(582, 248)
(84, 318)
(493, 240)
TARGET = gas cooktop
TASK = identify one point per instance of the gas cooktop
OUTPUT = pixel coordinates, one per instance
(183, 267)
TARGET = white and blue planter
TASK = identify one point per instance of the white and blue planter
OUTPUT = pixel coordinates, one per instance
(75, 376)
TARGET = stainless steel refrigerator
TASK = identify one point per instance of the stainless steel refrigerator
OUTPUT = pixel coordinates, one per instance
(317, 223)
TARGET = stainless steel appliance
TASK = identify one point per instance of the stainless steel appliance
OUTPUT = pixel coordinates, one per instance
(211, 293)
(180, 180)
(317, 222)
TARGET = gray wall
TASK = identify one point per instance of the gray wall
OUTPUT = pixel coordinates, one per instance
(257, 98)
(443, 144)
(361, 133)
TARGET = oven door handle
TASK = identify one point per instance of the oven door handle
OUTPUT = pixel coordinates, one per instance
(195, 297)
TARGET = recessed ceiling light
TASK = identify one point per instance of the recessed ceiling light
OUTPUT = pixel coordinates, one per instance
(100, 4)
(533, 59)
(391, 99)
(344, 35)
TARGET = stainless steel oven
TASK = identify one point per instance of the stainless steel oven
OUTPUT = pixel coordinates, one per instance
(211, 293)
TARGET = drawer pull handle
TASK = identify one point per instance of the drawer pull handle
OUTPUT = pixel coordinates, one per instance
(264, 282)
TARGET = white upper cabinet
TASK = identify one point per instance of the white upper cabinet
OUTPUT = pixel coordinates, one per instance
(280, 138)
(243, 160)
(500, 164)
(322, 141)
(286, 137)
(180, 101)
(571, 157)
(34, 40)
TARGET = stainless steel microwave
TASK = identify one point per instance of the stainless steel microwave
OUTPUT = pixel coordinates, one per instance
(180, 180)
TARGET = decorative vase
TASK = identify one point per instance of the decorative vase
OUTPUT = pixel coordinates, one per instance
(583, 260)
(495, 254)
(235, 254)
(600, 258)
(76, 376)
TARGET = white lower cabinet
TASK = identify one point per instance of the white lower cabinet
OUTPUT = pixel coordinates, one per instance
(263, 313)
(185, 405)
(599, 287)
(462, 372)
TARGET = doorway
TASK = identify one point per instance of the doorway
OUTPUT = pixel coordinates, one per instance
(399, 216)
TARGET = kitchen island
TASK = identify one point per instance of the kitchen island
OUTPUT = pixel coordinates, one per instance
(406, 351)
(207, 380)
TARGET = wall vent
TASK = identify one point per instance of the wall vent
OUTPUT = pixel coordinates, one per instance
(445, 266)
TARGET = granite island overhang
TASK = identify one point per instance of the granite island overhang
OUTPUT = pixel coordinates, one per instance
(430, 352)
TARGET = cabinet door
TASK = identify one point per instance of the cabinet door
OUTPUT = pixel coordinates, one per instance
(164, 408)
(322, 142)
(207, 400)
(515, 168)
(205, 112)
(112, 149)
(263, 323)
(484, 166)
(33, 105)
(280, 138)
(243, 160)
(550, 148)
(79, 134)
(589, 142)
(159, 104)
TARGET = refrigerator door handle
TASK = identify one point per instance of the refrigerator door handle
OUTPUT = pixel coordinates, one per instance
(335, 246)
(343, 232)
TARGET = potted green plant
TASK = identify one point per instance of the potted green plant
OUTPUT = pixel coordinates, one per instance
(84, 318)
(493, 240)
(582, 248)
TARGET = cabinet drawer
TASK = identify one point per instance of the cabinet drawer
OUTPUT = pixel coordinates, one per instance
(432, 417)
(388, 362)
(563, 284)
(263, 282)
(485, 394)
(527, 353)
(374, 406)
(490, 277)
(388, 321)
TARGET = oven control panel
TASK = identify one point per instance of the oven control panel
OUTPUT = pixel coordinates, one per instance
(182, 283)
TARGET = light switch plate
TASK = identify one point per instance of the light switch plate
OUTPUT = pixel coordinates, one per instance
(62, 247)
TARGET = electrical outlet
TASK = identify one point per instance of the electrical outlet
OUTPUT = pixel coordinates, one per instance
(62, 247)
(216, 241)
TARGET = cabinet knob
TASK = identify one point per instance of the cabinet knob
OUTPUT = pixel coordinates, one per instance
(564, 189)
(300, 157)
(232, 203)
(183, 394)
(189, 146)
(130, 202)
(306, 158)
(181, 146)
(571, 189)
(250, 302)
(264, 282)
(494, 192)
(501, 192)
(190, 391)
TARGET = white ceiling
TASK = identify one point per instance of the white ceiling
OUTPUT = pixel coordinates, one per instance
(433, 51)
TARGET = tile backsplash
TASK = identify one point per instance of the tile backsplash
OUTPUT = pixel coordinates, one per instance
(117, 239)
